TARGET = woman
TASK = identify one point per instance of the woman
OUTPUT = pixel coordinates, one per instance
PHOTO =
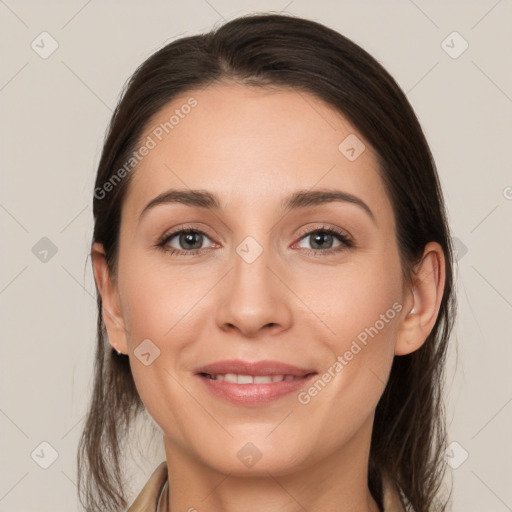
(274, 275)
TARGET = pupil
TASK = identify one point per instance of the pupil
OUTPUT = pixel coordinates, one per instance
(320, 236)
(188, 238)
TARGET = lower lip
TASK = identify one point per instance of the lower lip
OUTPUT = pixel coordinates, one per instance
(254, 394)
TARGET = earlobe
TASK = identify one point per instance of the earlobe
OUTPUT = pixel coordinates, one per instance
(111, 310)
(425, 298)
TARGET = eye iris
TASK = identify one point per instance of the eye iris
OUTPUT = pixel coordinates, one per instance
(188, 238)
(319, 237)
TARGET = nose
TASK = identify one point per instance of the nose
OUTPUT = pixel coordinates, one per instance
(254, 298)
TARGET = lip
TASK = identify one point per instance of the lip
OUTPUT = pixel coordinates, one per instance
(253, 394)
(254, 368)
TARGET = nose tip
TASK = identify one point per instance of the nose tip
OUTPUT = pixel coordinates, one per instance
(253, 299)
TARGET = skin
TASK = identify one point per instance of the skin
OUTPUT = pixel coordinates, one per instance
(253, 147)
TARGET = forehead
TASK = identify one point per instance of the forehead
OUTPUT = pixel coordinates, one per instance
(252, 145)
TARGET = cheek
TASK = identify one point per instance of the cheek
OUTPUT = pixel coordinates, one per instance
(161, 305)
(359, 306)
(157, 307)
(158, 300)
(354, 301)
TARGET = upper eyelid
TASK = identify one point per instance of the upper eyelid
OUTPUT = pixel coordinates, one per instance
(325, 227)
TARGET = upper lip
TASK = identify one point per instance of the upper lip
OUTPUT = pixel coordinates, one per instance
(256, 368)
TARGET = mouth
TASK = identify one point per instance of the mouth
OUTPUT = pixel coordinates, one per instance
(250, 379)
(253, 383)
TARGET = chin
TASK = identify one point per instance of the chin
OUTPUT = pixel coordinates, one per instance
(256, 456)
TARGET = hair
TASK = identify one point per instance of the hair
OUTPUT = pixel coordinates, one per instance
(284, 51)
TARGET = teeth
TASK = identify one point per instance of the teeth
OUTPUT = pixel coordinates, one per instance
(264, 379)
(250, 379)
(245, 379)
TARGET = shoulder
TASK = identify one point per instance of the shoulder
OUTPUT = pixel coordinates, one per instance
(391, 498)
(147, 499)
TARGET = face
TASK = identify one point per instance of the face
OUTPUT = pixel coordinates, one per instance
(311, 290)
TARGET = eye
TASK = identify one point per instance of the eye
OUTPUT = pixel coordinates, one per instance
(189, 241)
(323, 238)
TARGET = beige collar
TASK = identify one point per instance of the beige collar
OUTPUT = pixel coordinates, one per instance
(391, 499)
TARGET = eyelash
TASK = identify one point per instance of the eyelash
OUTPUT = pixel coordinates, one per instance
(346, 242)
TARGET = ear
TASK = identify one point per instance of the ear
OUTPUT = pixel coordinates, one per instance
(422, 301)
(111, 309)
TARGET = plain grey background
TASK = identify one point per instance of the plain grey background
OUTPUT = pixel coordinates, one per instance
(55, 108)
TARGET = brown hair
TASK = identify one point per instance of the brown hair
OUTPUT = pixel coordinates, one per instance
(409, 435)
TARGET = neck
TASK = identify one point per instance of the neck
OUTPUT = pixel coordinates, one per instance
(336, 483)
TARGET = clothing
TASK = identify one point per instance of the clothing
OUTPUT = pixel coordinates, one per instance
(153, 497)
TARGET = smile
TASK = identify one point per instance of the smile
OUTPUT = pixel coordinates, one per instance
(251, 379)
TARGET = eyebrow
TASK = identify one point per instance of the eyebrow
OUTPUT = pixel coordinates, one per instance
(298, 200)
